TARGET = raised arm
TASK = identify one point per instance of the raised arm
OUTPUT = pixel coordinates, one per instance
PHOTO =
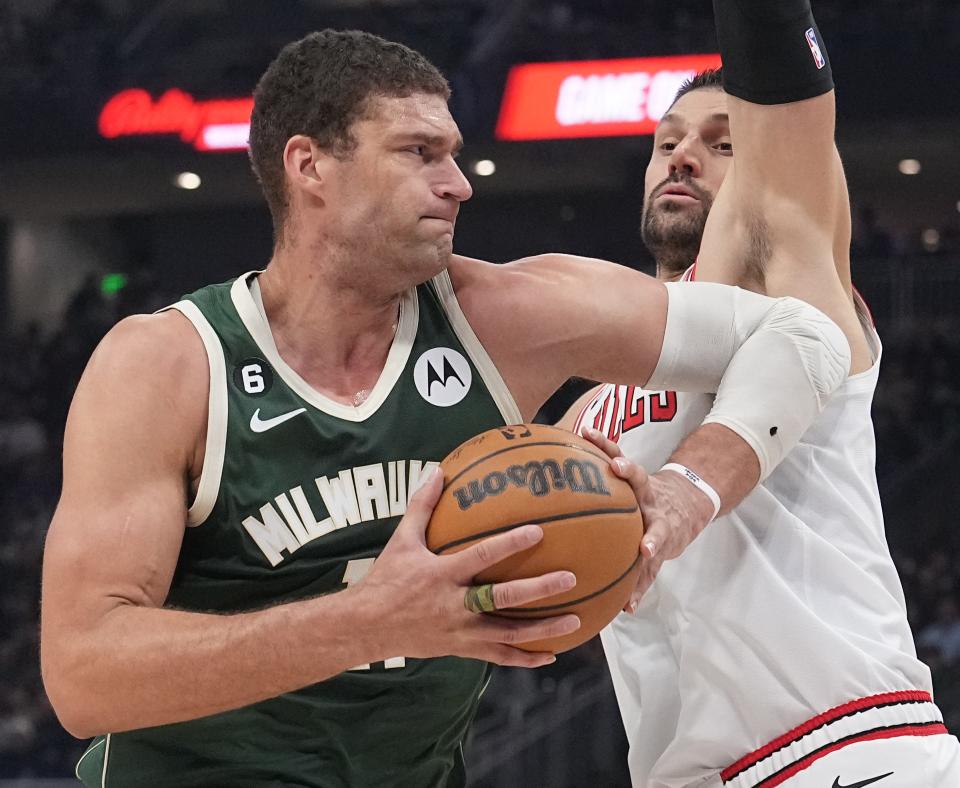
(781, 220)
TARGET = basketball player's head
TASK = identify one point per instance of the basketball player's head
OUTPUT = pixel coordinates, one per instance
(691, 153)
(353, 145)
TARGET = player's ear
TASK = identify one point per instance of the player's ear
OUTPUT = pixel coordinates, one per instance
(306, 165)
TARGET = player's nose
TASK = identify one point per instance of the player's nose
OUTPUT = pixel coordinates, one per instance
(685, 159)
(454, 183)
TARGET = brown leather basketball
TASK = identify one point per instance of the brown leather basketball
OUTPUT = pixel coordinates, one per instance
(531, 473)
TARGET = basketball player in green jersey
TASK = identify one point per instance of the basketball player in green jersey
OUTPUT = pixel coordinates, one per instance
(236, 586)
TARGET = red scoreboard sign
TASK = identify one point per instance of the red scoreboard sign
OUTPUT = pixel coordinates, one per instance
(593, 98)
(217, 124)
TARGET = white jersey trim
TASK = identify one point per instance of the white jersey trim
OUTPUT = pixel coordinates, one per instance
(216, 443)
(245, 294)
(106, 760)
(478, 354)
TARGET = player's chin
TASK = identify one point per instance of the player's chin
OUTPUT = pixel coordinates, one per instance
(432, 258)
(443, 250)
(677, 207)
(682, 217)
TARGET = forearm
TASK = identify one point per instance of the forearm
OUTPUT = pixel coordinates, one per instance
(773, 364)
(140, 666)
(779, 85)
(722, 459)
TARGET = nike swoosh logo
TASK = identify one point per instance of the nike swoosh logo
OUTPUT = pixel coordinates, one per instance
(836, 783)
(262, 425)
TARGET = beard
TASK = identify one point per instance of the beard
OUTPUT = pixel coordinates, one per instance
(673, 232)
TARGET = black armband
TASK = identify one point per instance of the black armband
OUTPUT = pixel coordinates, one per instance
(772, 51)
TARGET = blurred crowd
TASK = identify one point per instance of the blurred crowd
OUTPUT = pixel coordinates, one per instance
(916, 413)
(73, 53)
(38, 374)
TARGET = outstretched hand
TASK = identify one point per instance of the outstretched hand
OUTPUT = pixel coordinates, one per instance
(421, 595)
(674, 512)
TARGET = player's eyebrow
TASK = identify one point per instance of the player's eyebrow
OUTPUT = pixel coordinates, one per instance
(675, 118)
(719, 117)
(433, 140)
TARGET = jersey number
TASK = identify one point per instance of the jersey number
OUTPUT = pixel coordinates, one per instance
(355, 572)
(252, 379)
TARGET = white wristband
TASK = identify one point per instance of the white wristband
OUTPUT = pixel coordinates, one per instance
(697, 482)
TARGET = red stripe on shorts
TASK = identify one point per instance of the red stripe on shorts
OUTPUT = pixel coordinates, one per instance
(928, 729)
(844, 710)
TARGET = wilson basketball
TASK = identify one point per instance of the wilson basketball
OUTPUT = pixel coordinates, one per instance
(534, 474)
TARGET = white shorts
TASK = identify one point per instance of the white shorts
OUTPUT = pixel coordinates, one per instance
(895, 740)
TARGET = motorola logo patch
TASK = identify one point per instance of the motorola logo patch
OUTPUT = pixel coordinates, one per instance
(442, 376)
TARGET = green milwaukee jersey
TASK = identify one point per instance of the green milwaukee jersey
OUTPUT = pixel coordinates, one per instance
(297, 497)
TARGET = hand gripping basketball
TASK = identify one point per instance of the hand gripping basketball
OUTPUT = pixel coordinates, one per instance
(420, 595)
(504, 478)
(674, 512)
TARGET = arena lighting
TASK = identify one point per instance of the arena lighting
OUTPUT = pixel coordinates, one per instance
(213, 125)
(111, 284)
(593, 98)
(188, 181)
(910, 167)
(930, 238)
(484, 167)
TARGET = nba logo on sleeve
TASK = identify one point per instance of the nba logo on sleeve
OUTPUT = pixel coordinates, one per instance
(442, 376)
(815, 48)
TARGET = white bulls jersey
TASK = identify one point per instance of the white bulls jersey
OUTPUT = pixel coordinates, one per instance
(783, 610)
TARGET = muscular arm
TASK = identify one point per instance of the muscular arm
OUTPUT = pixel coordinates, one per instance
(781, 221)
(113, 658)
(559, 316)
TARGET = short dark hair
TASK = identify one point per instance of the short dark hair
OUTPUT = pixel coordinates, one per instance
(320, 86)
(711, 78)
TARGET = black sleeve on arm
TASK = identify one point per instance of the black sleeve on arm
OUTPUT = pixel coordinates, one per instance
(772, 51)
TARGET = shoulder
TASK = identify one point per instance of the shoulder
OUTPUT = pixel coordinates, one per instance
(150, 368)
(161, 344)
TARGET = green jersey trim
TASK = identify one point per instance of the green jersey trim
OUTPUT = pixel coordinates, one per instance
(216, 443)
(83, 757)
(484, 364)
(258, 328)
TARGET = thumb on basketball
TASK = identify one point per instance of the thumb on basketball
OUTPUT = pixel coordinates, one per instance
(634, 475)
(639, 481)
(421, 505)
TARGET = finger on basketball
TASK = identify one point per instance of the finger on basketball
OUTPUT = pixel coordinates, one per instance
(520, 592)
(493, 549)
(648, 573)
(515, 657)
(422, 503)
(632, 473)
(654, 538)
(602, 442)
(510, 632)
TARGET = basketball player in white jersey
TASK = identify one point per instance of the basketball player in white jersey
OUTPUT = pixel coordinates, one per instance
(775, 650)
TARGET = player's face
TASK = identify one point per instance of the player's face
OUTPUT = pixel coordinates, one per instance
(399, 193)
(692, 151)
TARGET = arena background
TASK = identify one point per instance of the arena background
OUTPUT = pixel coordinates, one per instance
(93, 229)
